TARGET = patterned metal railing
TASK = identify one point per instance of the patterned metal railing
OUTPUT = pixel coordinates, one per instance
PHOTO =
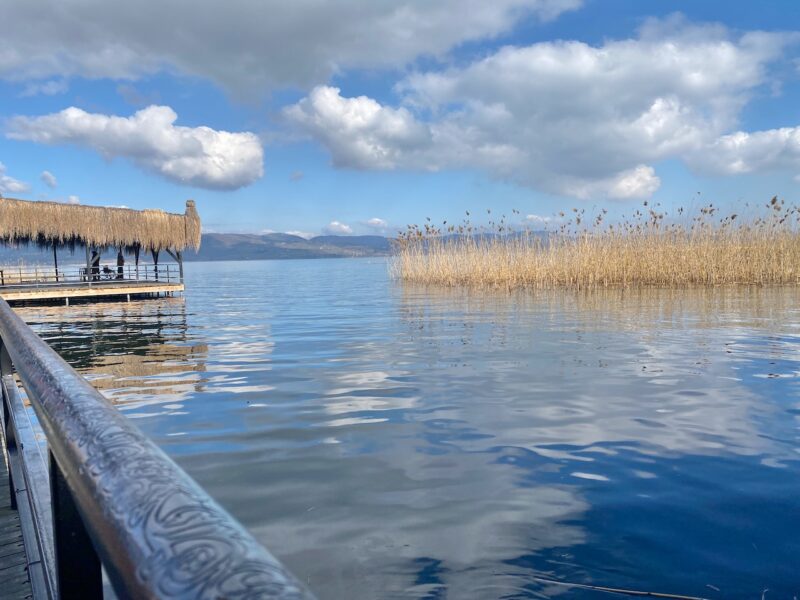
(116, 499)
(43, 277)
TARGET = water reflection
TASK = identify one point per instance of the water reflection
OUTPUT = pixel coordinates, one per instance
(653, 404)
(660, 367)
(392, 441)
(138, 354)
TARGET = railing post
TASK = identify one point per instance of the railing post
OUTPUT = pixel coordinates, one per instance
(10, 444)
(77, 564)
(5, 369)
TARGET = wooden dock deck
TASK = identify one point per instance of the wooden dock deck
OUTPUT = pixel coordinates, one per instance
(99, 289)
(13, 561)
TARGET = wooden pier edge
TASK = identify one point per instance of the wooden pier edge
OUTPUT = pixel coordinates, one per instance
(97, 290)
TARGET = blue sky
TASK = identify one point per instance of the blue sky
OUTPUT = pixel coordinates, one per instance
(362, 117)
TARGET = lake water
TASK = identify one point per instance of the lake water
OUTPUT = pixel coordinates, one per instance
(387, 441)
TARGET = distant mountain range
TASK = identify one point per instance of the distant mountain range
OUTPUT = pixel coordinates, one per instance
(242, 246)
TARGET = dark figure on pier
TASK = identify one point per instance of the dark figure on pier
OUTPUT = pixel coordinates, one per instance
(120, 265)
(95, 265)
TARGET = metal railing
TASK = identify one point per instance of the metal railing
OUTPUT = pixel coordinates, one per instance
(112, 497)
(40, 277)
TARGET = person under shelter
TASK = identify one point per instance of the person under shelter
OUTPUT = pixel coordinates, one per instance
(95, 265)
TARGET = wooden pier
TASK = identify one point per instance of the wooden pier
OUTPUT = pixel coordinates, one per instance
(123, 235)
(29, 285)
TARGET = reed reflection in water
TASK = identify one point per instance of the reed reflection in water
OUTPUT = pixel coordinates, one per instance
(393, 441)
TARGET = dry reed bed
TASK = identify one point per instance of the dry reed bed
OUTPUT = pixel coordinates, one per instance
(644, 250)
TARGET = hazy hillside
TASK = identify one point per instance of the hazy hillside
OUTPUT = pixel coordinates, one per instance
(240, 246)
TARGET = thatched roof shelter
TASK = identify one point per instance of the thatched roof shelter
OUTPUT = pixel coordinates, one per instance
(57, 225)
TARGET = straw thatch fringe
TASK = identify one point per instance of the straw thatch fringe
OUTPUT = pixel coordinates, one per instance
(46, 223)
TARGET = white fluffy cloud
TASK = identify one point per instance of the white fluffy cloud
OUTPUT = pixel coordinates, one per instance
(377, 223)
(638, 182)
(567, 117)
(743, 152)
(49, 179)
(73, 200)
(538, 219)
(9, 185)
(337, 228)
(241, 44)
(198, 156)
(359, 132)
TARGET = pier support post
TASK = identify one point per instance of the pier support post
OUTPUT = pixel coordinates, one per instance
(178, 257)
(88, 266)
(55, 259)
(136, 258)
(77, 564)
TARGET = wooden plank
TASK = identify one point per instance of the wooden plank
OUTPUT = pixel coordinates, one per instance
(13, 547)
(11, 528)
(13, 561)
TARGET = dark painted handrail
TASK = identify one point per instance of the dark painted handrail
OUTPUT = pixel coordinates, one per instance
(156, 532)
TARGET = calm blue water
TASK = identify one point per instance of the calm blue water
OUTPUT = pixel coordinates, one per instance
(387, 441)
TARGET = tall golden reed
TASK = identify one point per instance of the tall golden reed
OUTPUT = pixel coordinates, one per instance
(649, 249)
